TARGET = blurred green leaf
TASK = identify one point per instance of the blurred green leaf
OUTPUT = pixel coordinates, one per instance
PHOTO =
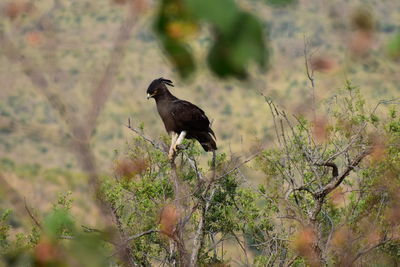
(232, 53)
(173, 24)
(239, 37)
(180, 56)
(89, 250)
(57, 222)
(280, 3)
(393, 47)
(222, 13)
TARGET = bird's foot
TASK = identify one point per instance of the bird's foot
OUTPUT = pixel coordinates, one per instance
(174, 150)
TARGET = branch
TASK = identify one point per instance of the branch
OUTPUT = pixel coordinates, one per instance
(38, 79)
(335, 171)
(335, 182)
(200, 231)
(103, 89)
(142, 234)
(239, 165)
(31, 215)
(367, 250)
(291, 261)
(141, 134)
(310, 76)
(338, 179)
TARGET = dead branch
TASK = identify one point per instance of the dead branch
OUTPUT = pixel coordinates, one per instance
(147, 139)
(142, 234)
(310, 76)
(31, 215)
(367, 250)
(102, 90)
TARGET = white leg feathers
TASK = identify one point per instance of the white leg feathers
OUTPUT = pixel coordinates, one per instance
(175, 141)
(180, 138)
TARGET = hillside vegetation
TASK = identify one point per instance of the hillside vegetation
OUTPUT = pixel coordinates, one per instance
(308, 150)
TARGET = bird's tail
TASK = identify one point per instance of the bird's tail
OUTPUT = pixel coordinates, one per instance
(207, 141)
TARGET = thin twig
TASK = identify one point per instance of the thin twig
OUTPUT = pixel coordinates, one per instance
(31, 215)
(142, 234)
(239, 165)
(141, 134)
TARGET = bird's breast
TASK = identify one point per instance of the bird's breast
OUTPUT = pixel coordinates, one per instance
(167, 117)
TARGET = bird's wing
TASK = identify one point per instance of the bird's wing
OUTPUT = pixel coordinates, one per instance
(189, 116)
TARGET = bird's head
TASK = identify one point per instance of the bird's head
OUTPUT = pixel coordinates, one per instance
(158, 87)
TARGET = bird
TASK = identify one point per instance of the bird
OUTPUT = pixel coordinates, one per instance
(181, 118)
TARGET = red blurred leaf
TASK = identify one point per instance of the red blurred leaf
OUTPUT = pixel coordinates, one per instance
(45, 251)
(33, 38)
(15, 8)
(323, 64)
(304, 243)
(169, 216)
(337, 197)
(128, 168)
(379, 148)
(361, 42)
(320, 129)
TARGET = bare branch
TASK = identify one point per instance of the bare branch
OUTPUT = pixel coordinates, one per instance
(103, 89)
(199, 232)
(367, 250)
(141, 134)
(142, 234)
(31, 215)
(338, 179)
(239, 165)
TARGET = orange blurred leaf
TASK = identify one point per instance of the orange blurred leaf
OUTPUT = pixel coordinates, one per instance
(33, 38)
(337, 197)
(45, 251)
(304, 243)
(323, 64)
(169, 216)
(320, 129)
(128, 168)
(378, 149)
(361, 42)
(16, 8)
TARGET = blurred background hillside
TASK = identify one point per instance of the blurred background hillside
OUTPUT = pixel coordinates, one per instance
(33, 137)
(30, 129)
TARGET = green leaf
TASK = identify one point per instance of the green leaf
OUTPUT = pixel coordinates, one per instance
(393, 47)
(221, 13)
(173, 24)
(180, 56)
(231, 53)
(57, 222)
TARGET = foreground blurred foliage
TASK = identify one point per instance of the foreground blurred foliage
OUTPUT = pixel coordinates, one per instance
(54, 242)
(330, 196)
(238, 37)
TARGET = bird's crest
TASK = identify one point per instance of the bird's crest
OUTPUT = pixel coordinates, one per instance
(165, 81)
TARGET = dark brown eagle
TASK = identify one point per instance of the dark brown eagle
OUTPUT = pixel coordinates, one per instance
(181, 118)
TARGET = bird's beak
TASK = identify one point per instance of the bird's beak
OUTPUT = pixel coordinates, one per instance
(151, 95)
